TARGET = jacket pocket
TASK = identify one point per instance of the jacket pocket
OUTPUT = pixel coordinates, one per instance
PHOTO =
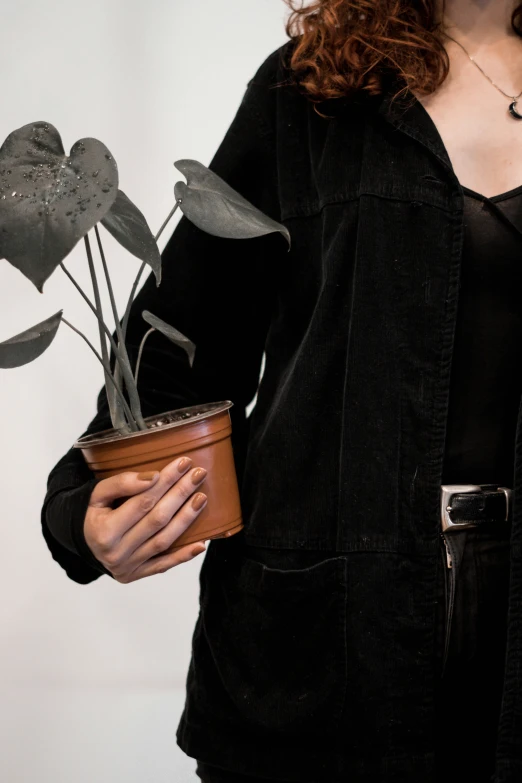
(277, 640)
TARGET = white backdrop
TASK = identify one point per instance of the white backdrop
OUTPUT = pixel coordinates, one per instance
(92, 677)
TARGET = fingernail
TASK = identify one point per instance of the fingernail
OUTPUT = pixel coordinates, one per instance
(183, 464)
(148, 475)
(198, 475)
(198, 501)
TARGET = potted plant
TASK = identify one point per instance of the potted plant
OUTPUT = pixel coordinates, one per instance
(49, 201)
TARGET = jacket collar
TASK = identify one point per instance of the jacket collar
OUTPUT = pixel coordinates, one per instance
(408, 115)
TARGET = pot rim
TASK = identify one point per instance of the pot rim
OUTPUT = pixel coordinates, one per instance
(110, 436)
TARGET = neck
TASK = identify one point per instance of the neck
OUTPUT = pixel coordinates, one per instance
(478, 22)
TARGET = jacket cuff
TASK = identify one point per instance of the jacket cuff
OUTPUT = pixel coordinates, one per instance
(65, 516)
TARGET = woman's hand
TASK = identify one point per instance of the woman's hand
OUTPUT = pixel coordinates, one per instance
(128, 539)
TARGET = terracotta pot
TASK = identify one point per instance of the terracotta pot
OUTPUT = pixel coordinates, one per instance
(201, 432)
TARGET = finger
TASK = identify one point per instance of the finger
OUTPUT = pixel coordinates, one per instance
(135, 508)
(159, 565)
(124, 484)
(163, 539)
(143, 516)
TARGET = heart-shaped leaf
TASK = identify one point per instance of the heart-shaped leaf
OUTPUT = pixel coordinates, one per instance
(127, 224)
(212, 205)
(50, 200)
(173, 335)
(29, 345)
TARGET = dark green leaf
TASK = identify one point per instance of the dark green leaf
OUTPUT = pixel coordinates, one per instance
(127, 224)
(48, 200)
(212, 205)
(173, 335)
(29, 345)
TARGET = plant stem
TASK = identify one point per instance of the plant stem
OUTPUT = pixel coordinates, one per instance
(132, 424)
(103, 340)
(125, 369)
(119, 417)
(174, 208)
(117, 369)
(125, 364)
(142, 267)
(92, 307)
(142, 344)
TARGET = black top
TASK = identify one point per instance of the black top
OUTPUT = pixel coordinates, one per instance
(485, 385)
(342, 453)
(486, 378)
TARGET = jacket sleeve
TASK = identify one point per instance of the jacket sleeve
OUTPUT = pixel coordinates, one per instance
(218, 292)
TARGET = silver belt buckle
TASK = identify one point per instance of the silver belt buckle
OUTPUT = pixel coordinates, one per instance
(447, 490)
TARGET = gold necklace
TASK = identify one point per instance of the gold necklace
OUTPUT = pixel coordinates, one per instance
(512, 105)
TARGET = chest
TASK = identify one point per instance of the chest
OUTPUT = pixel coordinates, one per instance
(482, 139)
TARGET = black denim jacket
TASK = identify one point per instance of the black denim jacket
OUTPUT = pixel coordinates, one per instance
(294, 669)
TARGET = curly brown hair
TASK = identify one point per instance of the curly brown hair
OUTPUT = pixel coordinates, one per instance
(340, 47)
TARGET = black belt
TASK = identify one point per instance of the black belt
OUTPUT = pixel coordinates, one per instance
(462, 507)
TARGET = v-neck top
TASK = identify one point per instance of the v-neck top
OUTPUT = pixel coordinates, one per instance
(486, 374)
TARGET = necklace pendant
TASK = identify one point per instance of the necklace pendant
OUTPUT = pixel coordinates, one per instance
(512, 110)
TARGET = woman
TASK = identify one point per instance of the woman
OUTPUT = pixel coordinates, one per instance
(363, 625)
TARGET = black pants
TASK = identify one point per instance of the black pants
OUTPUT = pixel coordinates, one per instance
(469, 689)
